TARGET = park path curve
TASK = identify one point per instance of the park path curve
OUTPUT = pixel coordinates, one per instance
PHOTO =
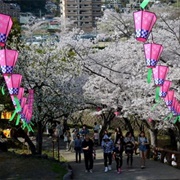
(154, 170)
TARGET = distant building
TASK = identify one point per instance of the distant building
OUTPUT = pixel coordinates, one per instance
(83, 13)
(26, 18)
(10, 9)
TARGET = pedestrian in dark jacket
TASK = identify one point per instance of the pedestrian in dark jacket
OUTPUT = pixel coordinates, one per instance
(117, 153)
(87, 146)
(78, 148)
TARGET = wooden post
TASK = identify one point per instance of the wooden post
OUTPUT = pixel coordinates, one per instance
(53, 147)
(58, 149)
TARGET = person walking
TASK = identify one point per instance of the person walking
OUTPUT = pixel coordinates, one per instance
(84, 131)
(96, 127)
(67, 139)
(87, 146)
(143, 142)
(107, 146)
(78, 148)
(73, 137)
(129, 148)
(117, 134)
(58, 131)
(117, 153)
(96, 138)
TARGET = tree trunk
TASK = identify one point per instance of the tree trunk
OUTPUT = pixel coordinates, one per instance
(153, 137)
(21, 133)
(153, 133)
(178, 136)
(173, 140)
(104, 127)
(39, 138)
(128, 125)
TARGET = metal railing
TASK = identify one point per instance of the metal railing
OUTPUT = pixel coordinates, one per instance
(167, 156)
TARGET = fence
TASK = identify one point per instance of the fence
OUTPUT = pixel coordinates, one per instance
(169, 157)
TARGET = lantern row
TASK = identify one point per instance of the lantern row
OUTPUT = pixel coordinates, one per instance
(8, 58)
(144, 22)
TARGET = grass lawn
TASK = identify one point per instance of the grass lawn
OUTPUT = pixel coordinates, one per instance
(14, 166)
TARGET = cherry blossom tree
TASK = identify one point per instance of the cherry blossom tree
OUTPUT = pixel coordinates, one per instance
(70, 74)
(53, 72)
(118, 72)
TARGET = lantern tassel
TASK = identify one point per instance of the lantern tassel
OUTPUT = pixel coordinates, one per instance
(156, 104)
(144, 4)
(168, 117)
(23, 125)
(157, 93)
(2, 91)
(18, 106)
(28, 127)
(176, 119)
(18, 120)
(13, 115)
(31, 123)
(149, 75)
(31, 129)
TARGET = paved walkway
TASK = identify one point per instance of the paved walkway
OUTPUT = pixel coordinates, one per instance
(154, 170)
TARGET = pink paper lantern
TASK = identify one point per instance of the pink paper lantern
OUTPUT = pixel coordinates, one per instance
(5, 27)
(8, 60)
(23, 103)
(21, 93)
(117, 113)
(19, 96)
(28, 116)
(176, 108)
(24, 110)
(159, 73)
(30, 100)
(144, 22)
(169, 98)
(164, 88)
(13, 83)
(174, 103)
(150, 120)
(152, 53)
(12, 98)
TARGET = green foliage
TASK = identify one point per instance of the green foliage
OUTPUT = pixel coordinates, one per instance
(59, 170)
(31, 5)
(71, 53)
